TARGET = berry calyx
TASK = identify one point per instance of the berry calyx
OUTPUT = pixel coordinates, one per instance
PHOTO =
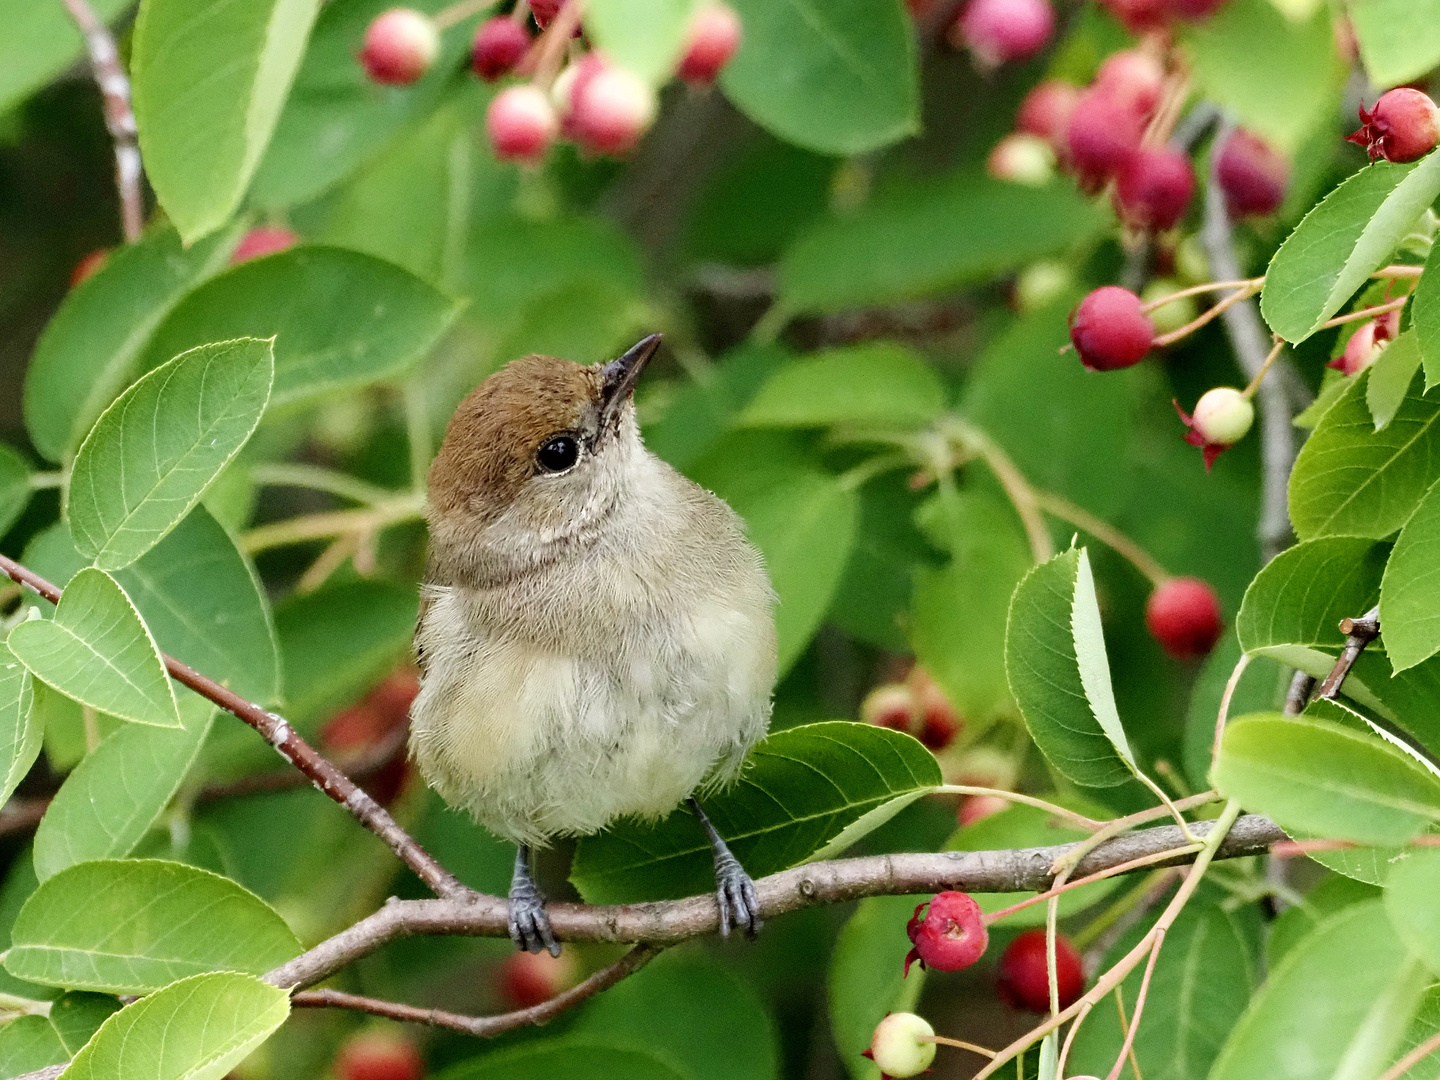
(998, 31)
(261, 241)
(714, 39)
(1367, 343)
(1021, 158)
(897, 1046)
(1100, 137)
(88, 266)
(1222, 417)
(891, 705)
(1110, 330)
(1154, 187)
(939, 721)
(400, 45)
(499, 44)
(1024, 973)
(529, 979)
(379, 1055)
(610, 108)
(1252, 175)
(1183, 615)
(521, 124)
(950, 936)
(1403, 125)
(1046, 111)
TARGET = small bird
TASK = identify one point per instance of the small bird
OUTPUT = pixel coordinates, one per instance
(596, 635)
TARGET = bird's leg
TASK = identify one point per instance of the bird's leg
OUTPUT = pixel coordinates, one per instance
(739, 903)
(529, 925)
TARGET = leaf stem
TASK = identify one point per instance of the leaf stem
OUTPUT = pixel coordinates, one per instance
(394, 511)
(1223, 714)
(1196, 290)
(1366, 313)
(1106, 533)
(1089, 824)
(1413, 1058)
(42, 480)
(1270, 358)
(1210, 313)
(1022, 496)
(317, 478)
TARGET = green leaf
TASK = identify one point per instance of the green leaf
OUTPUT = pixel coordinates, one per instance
(718, 1027)
(1410, 591)
(872, 601)
(1333, 894)
(1277, 77)
(210, 78)
(40, 42)
(919, 240)
(879, 384)
(98, 651)
(119, 790)
(1323, 779)
(1261, 688)
(20, 734)
(547, 1059)
(647, 37)
(155, 450)
(1055, 660)
(1425, 313)
(1424, 1026)
(339, 318)
(1300, 597)
(866, 977)
(1332, 386)
(89, 350)
(1410, 893)
(196, 1029)
(1399, 39)
(697, 414)
(841, 77)
(1390, 378)
(77, 1016)
(14, 487)
(1337, 1006)
(1350, 479)
(136, 925)
(28, 1044)
(800, 789)
(1342, 241)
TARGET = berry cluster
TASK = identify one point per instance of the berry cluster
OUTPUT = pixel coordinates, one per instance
(916, 706)
(598, 105)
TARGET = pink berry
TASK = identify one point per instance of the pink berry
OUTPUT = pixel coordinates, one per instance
(1367, 343)
(545, 10)
(1154, 187)
(1022, 159)
(264, 240)
(950, 936)
(528, 979)
(998, 31)
(1403, 125)
(893, 706)
(1025, 973)
(1100, 138)
(521, 124)
(499, 44)
(400, 45)
(714, 39)
(1252, 175)
(1183, 615)
(975, 808)
(1138, 16)
(1109, 329)
(1046, 110)
(610, 108)
(1133, 80)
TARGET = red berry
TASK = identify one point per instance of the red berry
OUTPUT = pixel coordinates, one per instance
(1101, 137)
(714, 39)
(1183, 615)
(378, 1055)
(975, 808)
(950, 936)
(528, 979)
(1252, 175)
(1109, 330)
(265, 240)
(400, 45)
(1046, 110)
(545, 10)
(939, 721)
(1403, 125)
(998, 31)
(88, 266)
(1138, 16)
(1133, 80)
(609, 107)
(1025, 975)
(521, 124)
(499, 44)
(1196, 10)
(1154, 187)
(1022, 159)
(892, 705)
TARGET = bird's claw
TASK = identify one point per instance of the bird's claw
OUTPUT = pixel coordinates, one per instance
(735, 891)
(529, 925)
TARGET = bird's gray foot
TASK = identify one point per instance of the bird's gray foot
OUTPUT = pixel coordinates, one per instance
(734, 889)
(529, 925)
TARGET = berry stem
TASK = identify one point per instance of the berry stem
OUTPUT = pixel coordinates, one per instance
(548, 52)
(1413, 1058)
(1234, 298)
(1106, 533)
(1196, 290)
(1224, 714)
(1125, 1025)
(1249, 391)
(1366, 313)
(459, 12)
(1128, 1048)
(1398, 271)
(1099, 875)
(1079, 820)
(959, 1044)
(1021, 494)
(520, 12)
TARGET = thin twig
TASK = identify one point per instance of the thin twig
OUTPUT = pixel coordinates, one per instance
(1128, 1049)
(1206, 316)
(1017, 488)
(1359, 633)
(1223, 714)
(1413, 1058)
(114, 87)
(1106, 533)
(297, 530)
(1297, 695)
(1366, 313)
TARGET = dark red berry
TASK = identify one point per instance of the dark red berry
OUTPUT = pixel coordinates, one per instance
(1046, 111)
(892, 705)
(714, 39)
(1133, 80)
(951, 935)
(528, 979)
(1196, 10)
(1183, 615)
(379, 1055)
(1025, 975)
(88, 266)
(998, 31)
(400, 45)
(545, 10)
(1154, 187)
(1252, 175)
(939, 720)
(1109, 329)
(1403, 125)
(1138, 16)
(261, 241)
(499, 44)
(1100, 138)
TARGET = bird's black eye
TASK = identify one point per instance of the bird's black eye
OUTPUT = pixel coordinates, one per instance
(557, 454)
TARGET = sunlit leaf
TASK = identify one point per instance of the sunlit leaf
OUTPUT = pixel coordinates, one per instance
(1410, 591)
(1399, 39)
(877, 385)
(40, 42)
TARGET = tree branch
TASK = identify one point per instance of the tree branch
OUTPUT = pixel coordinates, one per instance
(114, 87)
(1360, 632)
(832, 882)
(290, 746)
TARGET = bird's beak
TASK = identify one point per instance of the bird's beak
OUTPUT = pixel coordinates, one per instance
(618, 377)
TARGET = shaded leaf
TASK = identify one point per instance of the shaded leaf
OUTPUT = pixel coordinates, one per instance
(1391, 376)
(697, 414)
(14, 487)
(1410, 893)
(1302, 594)
(878, 384)
(20, 733)
(549, 1058)
(98, 651)
(30, 1043)
(1399, 39)
(647, 37)
(866, 980)
(800, 789)
(209, 80)
(1410, 591)
(1425, 316)
(155, 450)
(78, 1015)
(1333, 894)
(1261, 689)
(1322, 779)
(872, 601)
(339, 318)
(40, 42)
(196, 1029)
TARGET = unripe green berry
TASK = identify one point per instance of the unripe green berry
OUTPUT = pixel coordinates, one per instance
(1176, 313)
(896, 1047)
(1040, 283)
(1223, 415)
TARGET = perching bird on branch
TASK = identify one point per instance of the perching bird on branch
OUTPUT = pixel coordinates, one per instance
(596, 636)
